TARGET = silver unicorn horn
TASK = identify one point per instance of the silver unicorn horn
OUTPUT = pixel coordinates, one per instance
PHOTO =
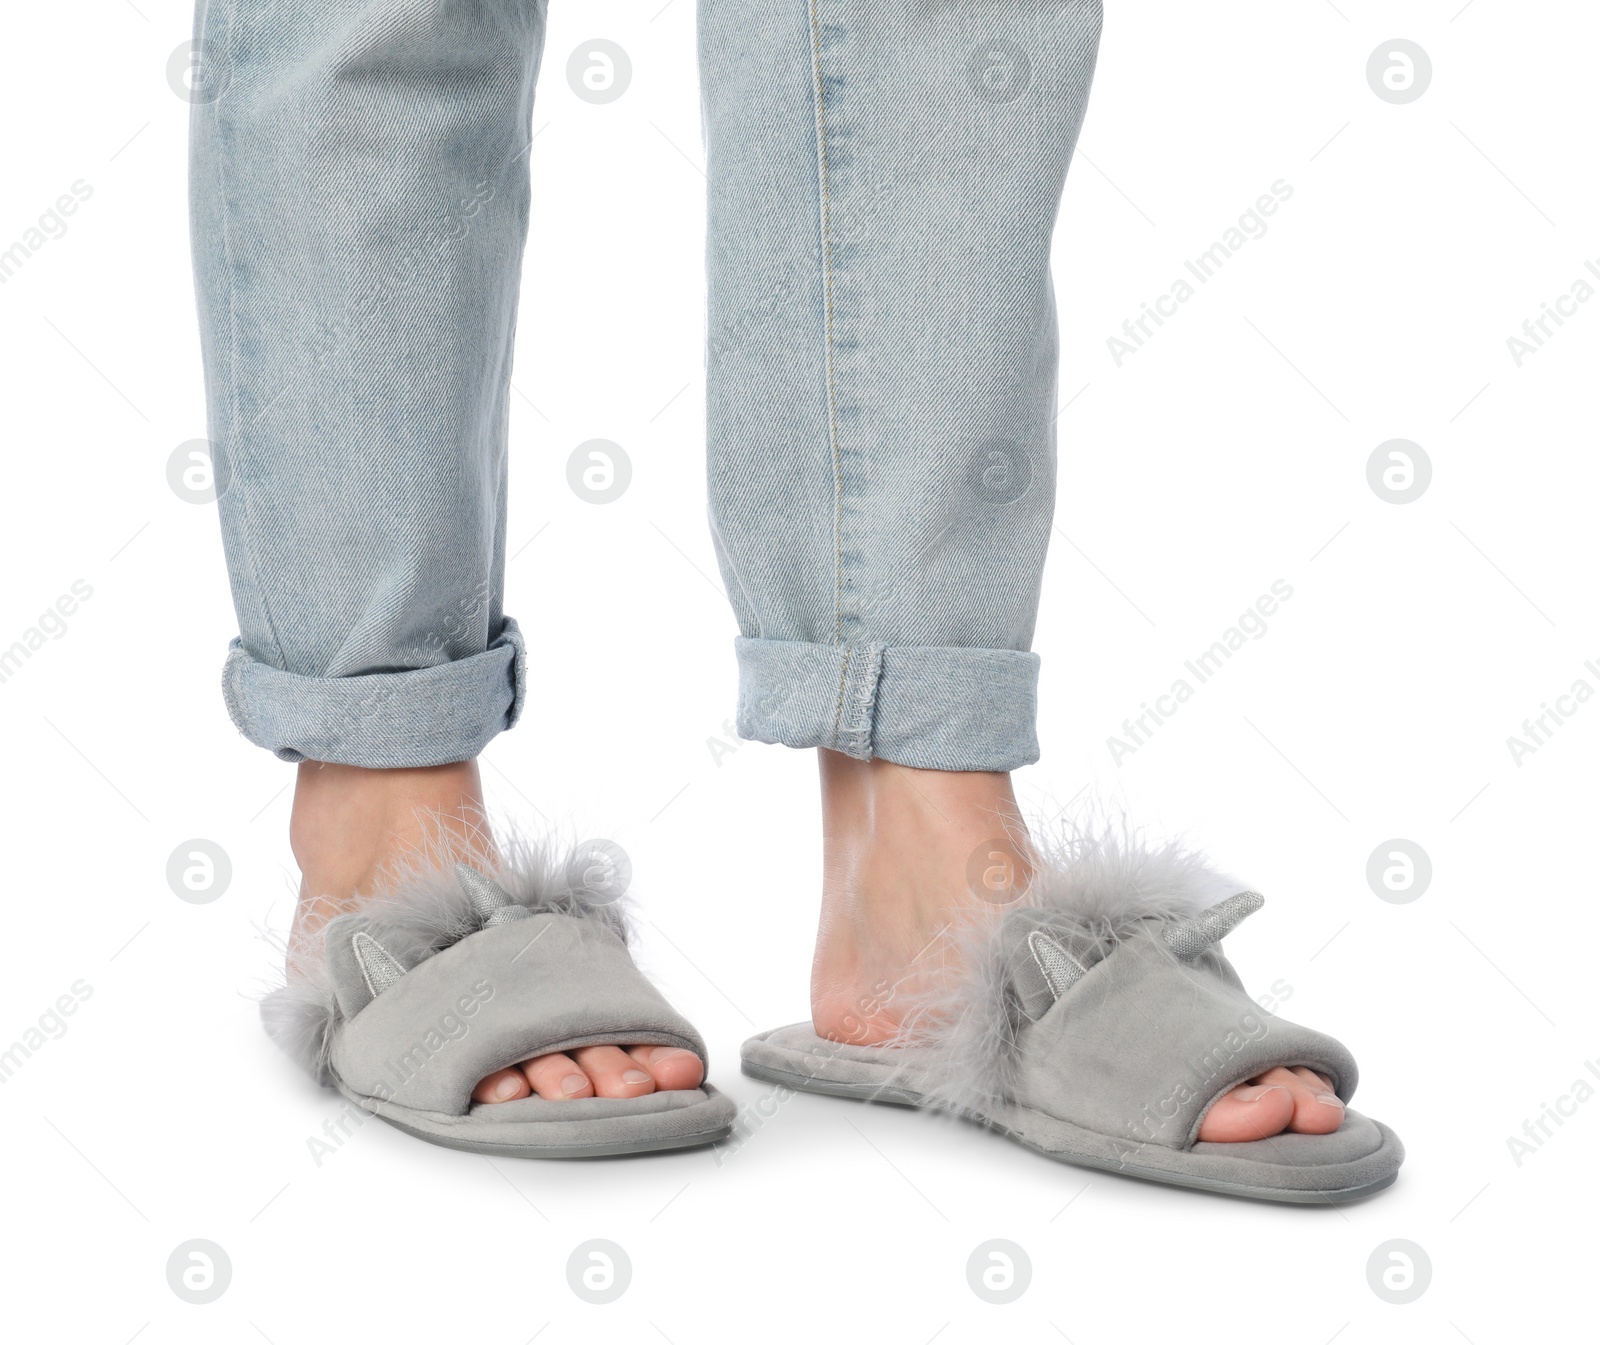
(1189, 938)
(493, 904)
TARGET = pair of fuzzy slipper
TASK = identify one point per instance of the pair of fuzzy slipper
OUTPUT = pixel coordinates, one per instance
(1097, 1022)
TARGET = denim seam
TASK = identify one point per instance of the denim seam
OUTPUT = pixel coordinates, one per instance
(257, 591)
(838, 706)
(866, 705)
(519, 665)
(824, 200)
(232, 696)
(519, 679)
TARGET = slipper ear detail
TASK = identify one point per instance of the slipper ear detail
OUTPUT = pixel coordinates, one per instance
(1191, 937)
(379, 967)
(1060, 969)
(491, 901)
(423, 911)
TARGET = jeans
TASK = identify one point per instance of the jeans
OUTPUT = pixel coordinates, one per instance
(884, 177)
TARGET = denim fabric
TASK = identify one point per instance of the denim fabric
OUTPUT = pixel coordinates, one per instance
(359, 201)
(884, 177)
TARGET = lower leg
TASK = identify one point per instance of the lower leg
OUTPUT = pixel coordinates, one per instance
(906, 855)
(352, 828)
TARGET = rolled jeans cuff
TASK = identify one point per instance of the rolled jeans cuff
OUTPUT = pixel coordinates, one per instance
(415, 717)
(937, 709)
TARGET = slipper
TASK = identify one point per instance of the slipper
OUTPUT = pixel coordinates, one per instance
(1097, 1023)
(456, 975)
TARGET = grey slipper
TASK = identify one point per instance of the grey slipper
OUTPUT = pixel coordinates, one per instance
(458, 975)
(1097, 1023)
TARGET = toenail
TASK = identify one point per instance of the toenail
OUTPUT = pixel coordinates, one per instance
(635, 1076)
(505, 1089)
(574, 1084)
(1257, 1092)
(1329, 1099)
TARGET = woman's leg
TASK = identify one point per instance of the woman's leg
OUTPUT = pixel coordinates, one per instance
(359, 186)
(884, 180)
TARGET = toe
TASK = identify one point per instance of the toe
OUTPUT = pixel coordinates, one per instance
(504, 1085)
(1317, 1109)
(614, 1072)
(1254, 1111)
(557, 1077)
(671, 1067)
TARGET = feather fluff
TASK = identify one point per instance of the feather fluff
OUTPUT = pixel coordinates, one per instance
(1094, 885)
(423, 910)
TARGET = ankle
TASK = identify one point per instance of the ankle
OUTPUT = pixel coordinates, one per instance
(937, 839)
(351, 827)
(909, 858)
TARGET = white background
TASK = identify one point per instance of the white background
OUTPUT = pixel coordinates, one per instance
(1228, 453)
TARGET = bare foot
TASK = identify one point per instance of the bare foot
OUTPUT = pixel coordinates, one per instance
(350, 827)
(907, 854)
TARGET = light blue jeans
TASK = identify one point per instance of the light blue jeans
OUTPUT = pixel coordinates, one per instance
(881, 355)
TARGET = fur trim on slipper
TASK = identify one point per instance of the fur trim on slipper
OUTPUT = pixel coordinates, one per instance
(424, 910)
(1094, 885)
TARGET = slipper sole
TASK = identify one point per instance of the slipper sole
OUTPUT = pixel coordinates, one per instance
(707, 1120)
(1322, 1184)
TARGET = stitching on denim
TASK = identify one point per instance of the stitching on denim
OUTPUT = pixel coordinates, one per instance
(232, 693)
(257, 590)
(512, 634)
(826, 228)
(838, 707)
(866, 703)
